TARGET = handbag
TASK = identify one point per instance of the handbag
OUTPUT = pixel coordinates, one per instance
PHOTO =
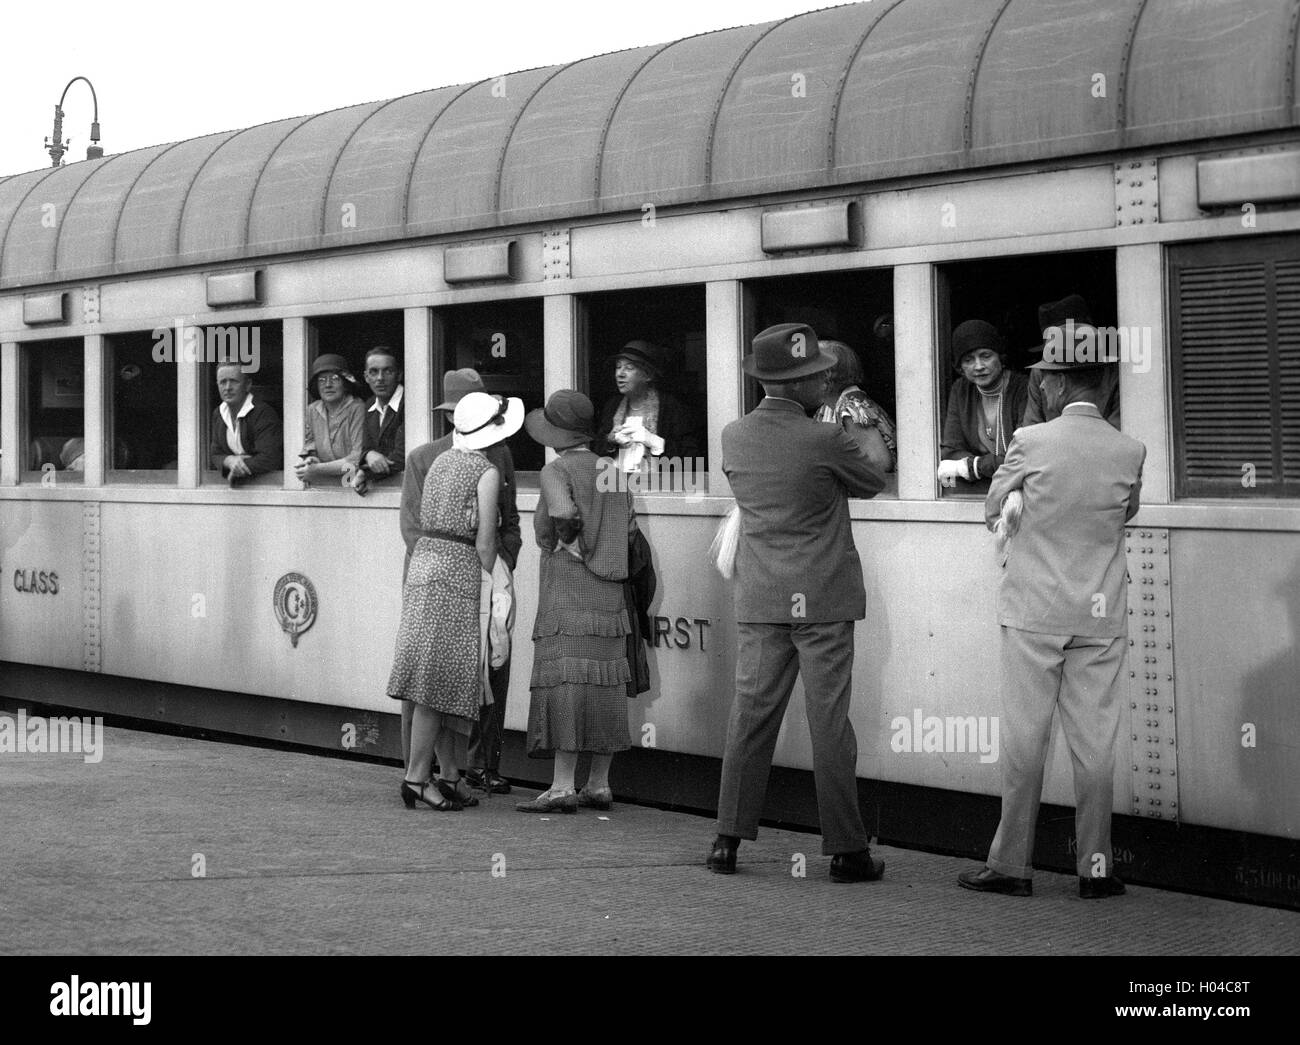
(725, 542)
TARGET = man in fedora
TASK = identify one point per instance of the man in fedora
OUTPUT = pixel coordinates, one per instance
(1062, 606)
(1060, 321)
(482, 772)
(798, 593)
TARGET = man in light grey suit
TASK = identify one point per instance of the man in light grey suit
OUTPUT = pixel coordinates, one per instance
(1063, 610)
(798, 592)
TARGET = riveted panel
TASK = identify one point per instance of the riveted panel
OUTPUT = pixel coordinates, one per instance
(90, 303)
(91, 644)
(1137, 193)
(1151, 675)
(555, 254)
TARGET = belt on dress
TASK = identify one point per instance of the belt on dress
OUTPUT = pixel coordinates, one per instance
(447, 535)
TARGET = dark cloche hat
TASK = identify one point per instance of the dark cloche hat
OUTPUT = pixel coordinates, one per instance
(566, 420)
(786, 352)
(649, 356)
(972, 336)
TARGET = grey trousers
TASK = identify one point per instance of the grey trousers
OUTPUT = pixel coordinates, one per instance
(1080, 676)
(768, 657)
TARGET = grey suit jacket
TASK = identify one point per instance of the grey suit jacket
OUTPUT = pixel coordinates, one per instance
(796, 562)
(1081, 481)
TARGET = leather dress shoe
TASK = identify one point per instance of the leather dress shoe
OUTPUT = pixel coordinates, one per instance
(1099, 888)
(722, 857)
(857, 867)
(989, 881)
(486, 780)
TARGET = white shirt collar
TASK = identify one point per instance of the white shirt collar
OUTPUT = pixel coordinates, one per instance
(395, 403)
(225, 410)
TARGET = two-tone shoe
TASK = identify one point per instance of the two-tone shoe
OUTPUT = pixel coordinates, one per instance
(551, 802)
(601, 798)
(987, 880)
(487, 780)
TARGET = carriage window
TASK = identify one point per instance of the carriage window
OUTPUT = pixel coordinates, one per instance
(350, 337)
(988, 393)
(502, 340)
(855, 311)
(141, 432)
(244, 370)
(645, 357)
(54, 380)
(1235, 340)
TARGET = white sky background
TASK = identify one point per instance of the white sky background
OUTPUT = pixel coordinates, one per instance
(165, 72)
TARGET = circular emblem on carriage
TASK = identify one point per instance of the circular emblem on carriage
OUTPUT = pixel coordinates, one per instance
(295, 604)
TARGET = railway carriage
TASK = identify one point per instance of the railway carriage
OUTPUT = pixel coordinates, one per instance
(882, 171)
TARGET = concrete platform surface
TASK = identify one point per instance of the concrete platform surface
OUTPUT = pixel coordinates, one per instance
(303, 854)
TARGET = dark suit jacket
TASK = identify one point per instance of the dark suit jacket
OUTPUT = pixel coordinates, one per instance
(418, 463)
(388, 439)
(1081, 481)
(259, 432)
(1037, 408)
(792, 478)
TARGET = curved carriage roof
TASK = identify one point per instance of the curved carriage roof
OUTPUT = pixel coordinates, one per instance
(843, 95)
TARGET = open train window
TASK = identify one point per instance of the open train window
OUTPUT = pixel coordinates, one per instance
(981, 406)
(142, 417)
(658, 337)
(352, 336)
(244, 371)
(54, 412)
(1235, 339)
(854, 309)
(502, 340)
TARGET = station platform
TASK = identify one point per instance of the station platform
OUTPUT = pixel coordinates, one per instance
(302, 854)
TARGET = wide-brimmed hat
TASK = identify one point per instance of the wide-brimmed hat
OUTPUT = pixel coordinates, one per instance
(566, 420)
(457, 384)
(972, 336)
(1069, 316)
(786, 352)
(330, 361)
(482, 420)
(650, 357)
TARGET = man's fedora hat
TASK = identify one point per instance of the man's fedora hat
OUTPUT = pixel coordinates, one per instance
(483, 419)
(972, 336)
(786, 352)
(1055, 313)
(1063, 323)
(648, 356)
(457, 384)
(566, 420)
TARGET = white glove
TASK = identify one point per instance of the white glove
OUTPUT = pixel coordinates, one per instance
(950, 471)
(636, 442)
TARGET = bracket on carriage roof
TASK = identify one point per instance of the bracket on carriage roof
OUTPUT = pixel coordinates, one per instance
(480, 262)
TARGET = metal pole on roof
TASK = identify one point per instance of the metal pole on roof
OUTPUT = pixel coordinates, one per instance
(56, 146)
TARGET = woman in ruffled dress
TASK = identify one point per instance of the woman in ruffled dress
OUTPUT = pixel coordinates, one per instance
(580, 667)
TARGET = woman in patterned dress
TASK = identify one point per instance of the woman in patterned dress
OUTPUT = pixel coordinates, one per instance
(437, 662)
(847, 405)
(580, 668)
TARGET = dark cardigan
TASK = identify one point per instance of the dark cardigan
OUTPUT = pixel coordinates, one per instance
(261, 436)
(961, 427)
